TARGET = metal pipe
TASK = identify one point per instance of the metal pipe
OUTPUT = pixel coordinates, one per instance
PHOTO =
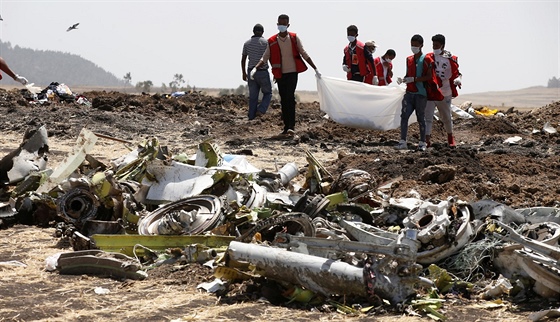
(320, 275)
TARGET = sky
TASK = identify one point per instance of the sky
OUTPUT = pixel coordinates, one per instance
(501, 45)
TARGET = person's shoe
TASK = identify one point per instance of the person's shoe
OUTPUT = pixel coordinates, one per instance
(421, 146)
(290, 132)
(451, 140)
(402, 145)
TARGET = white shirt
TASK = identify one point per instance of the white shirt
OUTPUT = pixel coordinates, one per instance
(443, 71)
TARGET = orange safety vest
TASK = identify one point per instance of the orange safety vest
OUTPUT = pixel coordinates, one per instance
(383, 79)
(454, 63)
(276, 55)
(359, 59)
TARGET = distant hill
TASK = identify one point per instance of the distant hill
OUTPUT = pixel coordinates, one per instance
(43, 67)
(537, 96)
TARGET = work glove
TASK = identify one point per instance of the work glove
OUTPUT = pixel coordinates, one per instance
(457, 82)
(252, 74)
(20, 79)
(345, 68)
(375, 80)
(407, 80)
(317, 73)
(399, 80)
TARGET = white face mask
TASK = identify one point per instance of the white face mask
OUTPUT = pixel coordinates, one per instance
(388, 60)
(351, 38)
(437, 51)
(415, 50)
(373, 50)
(282, 28)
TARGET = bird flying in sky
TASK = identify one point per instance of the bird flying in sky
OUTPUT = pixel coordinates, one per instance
(74, 26)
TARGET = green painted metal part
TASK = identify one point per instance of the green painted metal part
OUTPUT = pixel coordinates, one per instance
(125, 243)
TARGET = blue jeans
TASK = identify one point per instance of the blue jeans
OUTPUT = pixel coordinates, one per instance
(410, 103)
(261, 82)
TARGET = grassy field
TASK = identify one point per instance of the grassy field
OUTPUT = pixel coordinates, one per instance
(523, 98)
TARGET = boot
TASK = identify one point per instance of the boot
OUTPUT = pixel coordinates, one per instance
(451, 140)
(428, 141)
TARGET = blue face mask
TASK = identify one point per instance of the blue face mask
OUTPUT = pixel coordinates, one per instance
(282, 28)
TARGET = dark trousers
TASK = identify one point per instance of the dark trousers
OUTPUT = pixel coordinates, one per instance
(287, 90)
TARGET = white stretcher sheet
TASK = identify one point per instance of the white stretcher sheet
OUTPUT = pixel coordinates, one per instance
(361, 105)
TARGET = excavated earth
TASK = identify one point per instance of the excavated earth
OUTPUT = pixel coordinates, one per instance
(482, 166)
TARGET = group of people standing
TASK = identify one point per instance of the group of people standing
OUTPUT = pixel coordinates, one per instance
(431, 79)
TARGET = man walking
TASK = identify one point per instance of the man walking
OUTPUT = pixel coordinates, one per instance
(357, 61)
(419, 79)
(449, 77)
(253, 49)
(286, 54)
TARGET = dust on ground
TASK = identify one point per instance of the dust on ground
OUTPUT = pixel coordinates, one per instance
(521, 175)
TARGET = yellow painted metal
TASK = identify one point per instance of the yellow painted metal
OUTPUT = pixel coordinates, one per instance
(125, 243)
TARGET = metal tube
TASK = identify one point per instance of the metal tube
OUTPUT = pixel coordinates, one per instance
(320, 275)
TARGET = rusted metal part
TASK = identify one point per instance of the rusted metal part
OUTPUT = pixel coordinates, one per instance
(190, 216)
(77, 206)
(354, 181)
(292, 222)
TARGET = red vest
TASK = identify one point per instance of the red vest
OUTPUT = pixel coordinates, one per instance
(453, 62)
(276, 55)
(432, 90)
(362, 64)
(383, 79)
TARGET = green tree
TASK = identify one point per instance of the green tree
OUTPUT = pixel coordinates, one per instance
(242, 90)
(554, 82)
(144, 86)
(127, 80)
(177, 82)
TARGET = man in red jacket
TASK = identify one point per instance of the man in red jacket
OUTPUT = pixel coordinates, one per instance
(420, 80)
(384, 67)
(357, 61)
(286, 54)
(449, 78)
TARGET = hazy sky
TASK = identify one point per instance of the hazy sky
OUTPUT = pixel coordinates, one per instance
(502, 45)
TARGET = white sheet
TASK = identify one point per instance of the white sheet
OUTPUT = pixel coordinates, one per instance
(361, 105)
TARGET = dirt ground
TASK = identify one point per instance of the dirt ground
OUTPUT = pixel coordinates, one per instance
(519, 175)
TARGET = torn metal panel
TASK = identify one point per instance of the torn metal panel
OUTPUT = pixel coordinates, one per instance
(176, 181)
(30, 156)
(368, 234)
(494, 210)
(125, 243)
(190, 216)
(98, 262)
(84, 144)
(540, 214)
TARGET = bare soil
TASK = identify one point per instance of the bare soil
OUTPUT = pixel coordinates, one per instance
(521, 175)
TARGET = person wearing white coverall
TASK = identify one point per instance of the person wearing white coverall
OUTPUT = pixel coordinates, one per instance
(6, 69)
(449, 78)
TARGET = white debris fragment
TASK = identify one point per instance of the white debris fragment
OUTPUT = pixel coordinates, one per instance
(549, 128)
(512, 140)
(213, 287)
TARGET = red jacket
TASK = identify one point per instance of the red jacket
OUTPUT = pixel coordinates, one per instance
(276, 55)
(359, 60)
(383, 79)
(454, 63)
